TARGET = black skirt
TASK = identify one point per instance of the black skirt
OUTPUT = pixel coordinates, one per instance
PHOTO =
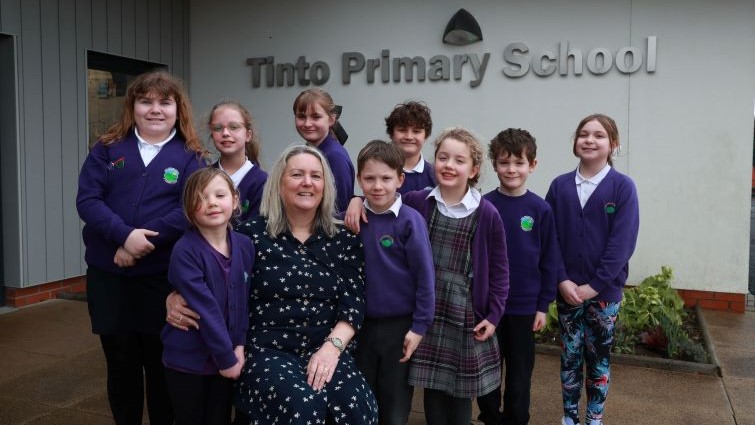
(120, 304)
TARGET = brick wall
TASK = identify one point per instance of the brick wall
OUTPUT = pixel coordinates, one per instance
(714, 300)
(19, 297)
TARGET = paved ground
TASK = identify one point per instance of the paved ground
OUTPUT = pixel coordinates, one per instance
(52, 372)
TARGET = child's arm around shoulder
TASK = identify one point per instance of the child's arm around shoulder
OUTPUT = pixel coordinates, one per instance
(354, 214)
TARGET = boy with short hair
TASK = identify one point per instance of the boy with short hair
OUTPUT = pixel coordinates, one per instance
(400, 281)
(533, 256)
(408, 126)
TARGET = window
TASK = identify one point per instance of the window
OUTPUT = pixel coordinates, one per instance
(108, 76)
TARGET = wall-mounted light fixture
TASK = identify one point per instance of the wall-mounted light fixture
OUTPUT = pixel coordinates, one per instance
(462, 29)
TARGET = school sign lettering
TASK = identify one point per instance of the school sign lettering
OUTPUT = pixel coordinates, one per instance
(518, 61)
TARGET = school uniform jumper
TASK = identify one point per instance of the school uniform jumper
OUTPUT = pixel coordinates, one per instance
(299, 291)
(596, 242)
(472, 283)
(400, 294)
(250, 192)
(117, 194)
(342, 168)
(418, 181)
(534, 258)
(217, 289)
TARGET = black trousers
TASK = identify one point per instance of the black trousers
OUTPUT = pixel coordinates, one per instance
(517, 343)
(134, 360)
(200, 399)
(380, 346)
(444, 409)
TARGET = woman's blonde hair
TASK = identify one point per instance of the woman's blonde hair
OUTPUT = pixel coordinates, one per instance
(272, 203)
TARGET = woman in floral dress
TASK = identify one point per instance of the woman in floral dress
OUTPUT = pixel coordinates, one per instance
(307, 301)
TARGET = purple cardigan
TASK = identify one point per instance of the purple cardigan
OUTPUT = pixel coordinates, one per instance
(342, 168)
(250, 192)
(118, 194)
(222, 305)
(596, 241)
(490, 264)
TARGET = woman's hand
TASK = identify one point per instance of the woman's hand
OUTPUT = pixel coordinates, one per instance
(178, 314)
(354, 213)
(137, 243)
(483, 330)
(234, 371)
(585, 292)
(568, 290)
(322, 365)
(539, 321)
(411, 341)
(123, 258)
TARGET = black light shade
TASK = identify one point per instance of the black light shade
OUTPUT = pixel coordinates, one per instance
(462, 29)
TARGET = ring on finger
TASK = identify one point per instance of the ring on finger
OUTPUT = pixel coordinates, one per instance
(180, 318)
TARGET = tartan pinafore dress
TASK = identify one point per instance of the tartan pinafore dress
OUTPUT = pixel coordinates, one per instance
(448, 358)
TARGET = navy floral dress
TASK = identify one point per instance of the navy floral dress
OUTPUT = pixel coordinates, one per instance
(298, 293)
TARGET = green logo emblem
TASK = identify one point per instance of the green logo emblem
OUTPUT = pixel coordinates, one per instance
(386, 241)
(245, 206)
(170, 175)
(610, 208)
(527, 223)
(118, 163)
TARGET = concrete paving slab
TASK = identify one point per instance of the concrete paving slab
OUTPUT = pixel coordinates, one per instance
(71, 417)
(737, 363)
(15, 411)
(96, 404)
(742, 396)
(50, 320)
(62, 384)
(23, 362)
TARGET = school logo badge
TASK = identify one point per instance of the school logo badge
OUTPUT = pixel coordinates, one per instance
(527, 223)
(386, 241)
(245, 206)
(170, 175)
(610, 207)
(117, 164)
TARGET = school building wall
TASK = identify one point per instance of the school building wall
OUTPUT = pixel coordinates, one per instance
(43, 122)
(686, 128)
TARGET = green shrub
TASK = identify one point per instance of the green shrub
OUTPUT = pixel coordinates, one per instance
(653, 299)
(680, 345)
(651, 314)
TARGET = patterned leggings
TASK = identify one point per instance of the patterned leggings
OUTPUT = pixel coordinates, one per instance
(586, 337)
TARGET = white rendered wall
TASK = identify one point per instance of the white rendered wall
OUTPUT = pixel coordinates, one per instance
(686, 129)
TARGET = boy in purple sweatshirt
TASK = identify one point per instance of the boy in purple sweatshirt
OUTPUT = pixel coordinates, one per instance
(533, 258)
(400, 277)
(409, 125)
